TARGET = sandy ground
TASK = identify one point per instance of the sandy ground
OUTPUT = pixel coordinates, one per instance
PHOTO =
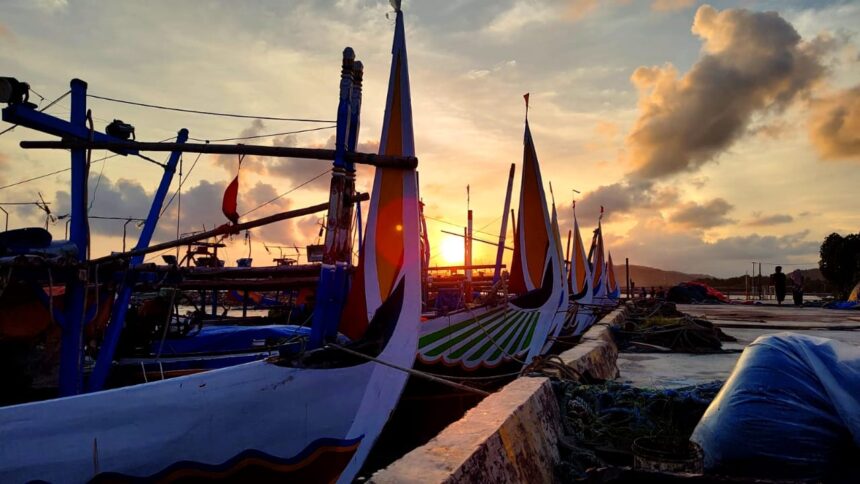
(746, 323)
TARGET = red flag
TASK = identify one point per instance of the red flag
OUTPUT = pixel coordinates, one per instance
(229, 204)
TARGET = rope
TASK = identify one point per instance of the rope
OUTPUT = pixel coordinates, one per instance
(411, 371)
(208, 113)
(291, 190)
(242, 138)
(55, 101)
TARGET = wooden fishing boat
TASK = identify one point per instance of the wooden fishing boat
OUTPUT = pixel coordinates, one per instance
(308, 416)
(580, 284)
(520, 315)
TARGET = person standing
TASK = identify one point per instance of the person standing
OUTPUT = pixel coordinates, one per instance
(797, 287)
(778, 280)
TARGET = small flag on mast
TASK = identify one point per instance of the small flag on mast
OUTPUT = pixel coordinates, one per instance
(229, 205)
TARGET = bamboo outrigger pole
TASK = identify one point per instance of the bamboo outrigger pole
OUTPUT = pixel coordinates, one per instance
(225, 229)
(133, 147)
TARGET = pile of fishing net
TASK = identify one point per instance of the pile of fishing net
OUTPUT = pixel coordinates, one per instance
(659, 326)
(600, 422)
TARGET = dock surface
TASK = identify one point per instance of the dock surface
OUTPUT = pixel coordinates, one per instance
(744, 322)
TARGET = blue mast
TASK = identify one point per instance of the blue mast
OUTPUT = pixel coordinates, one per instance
(332, 286)
(120, 305)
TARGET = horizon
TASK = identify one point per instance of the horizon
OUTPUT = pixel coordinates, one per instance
(700, 126)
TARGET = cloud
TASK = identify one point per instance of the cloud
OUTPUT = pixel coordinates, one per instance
(51, 6)
(521, 14)
(670, 5)
(623, 197)
(760, 220)
(653, 246)
(752, 63)
(834, 126)
(703, 216)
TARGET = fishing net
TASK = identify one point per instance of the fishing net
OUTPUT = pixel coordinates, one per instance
(600, 422)
(659, 326)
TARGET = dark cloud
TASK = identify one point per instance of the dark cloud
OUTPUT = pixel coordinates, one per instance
(835, 125)
(753, 62)
(654, 246)
(121, 199)
(760, 220)
(703, 216)
(623, 197)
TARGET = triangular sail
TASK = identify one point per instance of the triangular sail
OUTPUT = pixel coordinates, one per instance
(580, 274)
(532, 243)
(612, 289)
(393, 206)
(598, 264)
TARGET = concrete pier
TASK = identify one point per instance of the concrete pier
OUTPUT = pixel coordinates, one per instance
(512, 436)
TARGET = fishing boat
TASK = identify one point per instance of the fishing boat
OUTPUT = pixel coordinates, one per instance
(311, 415)
(580, 284)
(506, 327)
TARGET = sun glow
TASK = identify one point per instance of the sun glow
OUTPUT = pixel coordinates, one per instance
(451, 250)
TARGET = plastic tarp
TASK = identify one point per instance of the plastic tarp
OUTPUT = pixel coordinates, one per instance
(695, 292)
(790, 409)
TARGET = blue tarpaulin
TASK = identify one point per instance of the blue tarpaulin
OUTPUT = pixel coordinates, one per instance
(791, 409)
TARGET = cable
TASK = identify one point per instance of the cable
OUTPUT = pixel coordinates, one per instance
(21, 182)
(182, 181)
(209, 113)
(456, 225)
(291, 190)
(55, 101)
(262, 135)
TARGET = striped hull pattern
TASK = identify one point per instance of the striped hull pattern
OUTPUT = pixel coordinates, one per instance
(321, 461)
(484, 338)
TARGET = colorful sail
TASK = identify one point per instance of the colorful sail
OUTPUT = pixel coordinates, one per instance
(393, 205)
(598, 263)
(579, 281)
(612, 289)
(532, 243)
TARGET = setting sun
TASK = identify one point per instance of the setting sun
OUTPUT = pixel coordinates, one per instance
(451, 249)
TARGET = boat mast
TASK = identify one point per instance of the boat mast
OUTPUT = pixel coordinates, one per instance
(500, 252)
(333, 283)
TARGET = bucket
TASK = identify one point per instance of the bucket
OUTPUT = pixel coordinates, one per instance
(660, 454)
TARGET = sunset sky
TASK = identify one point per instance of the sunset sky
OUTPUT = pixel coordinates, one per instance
(715, 134)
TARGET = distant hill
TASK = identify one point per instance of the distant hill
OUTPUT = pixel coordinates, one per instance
(644, 276)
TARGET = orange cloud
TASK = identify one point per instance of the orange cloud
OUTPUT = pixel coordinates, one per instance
(834, 125)
(753, 63)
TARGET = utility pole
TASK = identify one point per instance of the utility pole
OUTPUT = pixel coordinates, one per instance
(627, 270)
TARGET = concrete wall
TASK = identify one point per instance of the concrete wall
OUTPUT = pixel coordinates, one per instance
(512, 435)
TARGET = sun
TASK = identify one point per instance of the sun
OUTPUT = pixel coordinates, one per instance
(451, 250)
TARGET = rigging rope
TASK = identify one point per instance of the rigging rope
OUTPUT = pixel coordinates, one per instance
(55, 101)
(242, 138)
(209, 113)
(291, 190)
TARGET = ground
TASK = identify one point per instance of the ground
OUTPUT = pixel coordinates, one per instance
(744, 322)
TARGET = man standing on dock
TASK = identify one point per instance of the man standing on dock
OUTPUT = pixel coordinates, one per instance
(778, 280)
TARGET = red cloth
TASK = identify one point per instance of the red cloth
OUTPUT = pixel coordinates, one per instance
(229, 204)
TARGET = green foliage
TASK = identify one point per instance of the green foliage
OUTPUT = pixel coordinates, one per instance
(840, 262)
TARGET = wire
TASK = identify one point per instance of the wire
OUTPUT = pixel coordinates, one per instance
(457, 225)
(262, 135)
(181, 182)
(209, 113)
(21, 182)
(55, 101)
(291, 190)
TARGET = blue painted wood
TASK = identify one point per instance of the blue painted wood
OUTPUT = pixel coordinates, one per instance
(120, 306)
(71, 354)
